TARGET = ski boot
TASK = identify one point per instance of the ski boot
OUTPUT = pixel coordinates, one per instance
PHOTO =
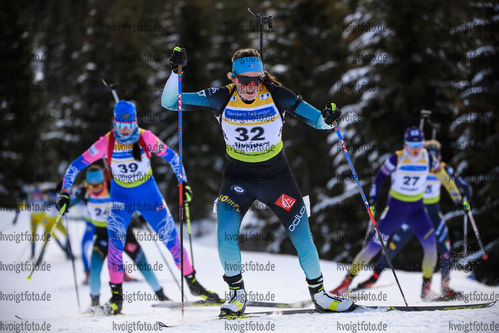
(427, 294)
(369, 282)
(236, 302)
(343, 287)
(326, 302)
(198, 290)
(116, 301)
(448, 294)
(160, 294)
(128, 278)
(95, 309)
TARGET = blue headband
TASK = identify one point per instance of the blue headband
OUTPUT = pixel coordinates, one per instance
(95, 177)
(247, 64)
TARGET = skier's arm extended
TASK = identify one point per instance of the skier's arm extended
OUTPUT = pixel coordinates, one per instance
(211, 98)
(97, 151)
(304, 111)
(449, 184)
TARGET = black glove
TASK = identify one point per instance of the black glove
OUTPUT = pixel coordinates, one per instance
(61, 201)
(187, 191)
(330, 113)
(179, 57)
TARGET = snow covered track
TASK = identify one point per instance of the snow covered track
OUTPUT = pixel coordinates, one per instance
(284, 284)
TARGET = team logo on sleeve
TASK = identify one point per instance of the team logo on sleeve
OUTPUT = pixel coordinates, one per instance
(285, 202)
(201, 93)
(93, 151)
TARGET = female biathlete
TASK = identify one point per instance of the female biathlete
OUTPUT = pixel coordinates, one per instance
(128, 149)
(251, 111)
(96, 198)
(431, 199)
(409, 169)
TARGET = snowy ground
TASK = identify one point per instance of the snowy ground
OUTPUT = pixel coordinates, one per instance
(285, 283)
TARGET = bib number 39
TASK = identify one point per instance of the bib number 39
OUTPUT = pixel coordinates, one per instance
(126, 168)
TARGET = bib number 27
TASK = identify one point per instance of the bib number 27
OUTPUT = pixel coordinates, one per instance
(411, 181)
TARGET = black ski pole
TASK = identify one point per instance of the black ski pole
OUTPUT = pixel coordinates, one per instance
(39, 260)
(73, 263)
(366, 203)
(477, 234)
(162, 256)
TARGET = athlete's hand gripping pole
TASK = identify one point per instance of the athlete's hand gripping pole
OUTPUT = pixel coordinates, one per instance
(366, 203)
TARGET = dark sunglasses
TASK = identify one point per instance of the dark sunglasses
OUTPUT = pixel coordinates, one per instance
(246, 80)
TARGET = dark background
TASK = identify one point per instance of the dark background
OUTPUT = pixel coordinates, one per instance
(436, 55)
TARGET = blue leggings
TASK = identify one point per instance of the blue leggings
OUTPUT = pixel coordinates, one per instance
(403, 235)
(86, 244)
(134, 251)
(400, 212)
(147, 200)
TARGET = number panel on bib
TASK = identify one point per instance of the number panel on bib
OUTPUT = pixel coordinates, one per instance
(98, 210)
(409, 179)
(252, 132)
(126, 170)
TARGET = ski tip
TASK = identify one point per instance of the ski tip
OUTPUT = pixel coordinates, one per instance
(163, 325)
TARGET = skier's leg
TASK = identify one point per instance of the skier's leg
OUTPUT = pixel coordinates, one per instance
(136, 253)
(99, 253)
(231, 207)
(86, 245)
(121, 205)
(35, 221)
(421, 226)
(283, 196)
(443, 246)
(158, 216)
(395, 216)
(397, 242)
